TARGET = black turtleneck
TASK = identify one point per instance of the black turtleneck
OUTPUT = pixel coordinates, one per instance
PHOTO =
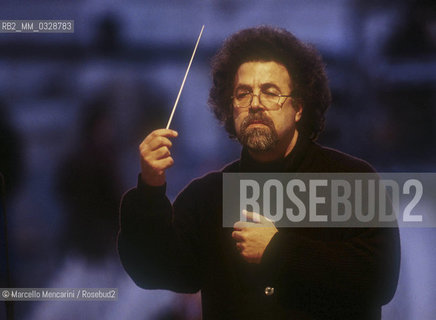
(321, 273)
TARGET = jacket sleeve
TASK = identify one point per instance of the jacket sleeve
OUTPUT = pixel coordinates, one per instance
(156, 252)
(359, 267)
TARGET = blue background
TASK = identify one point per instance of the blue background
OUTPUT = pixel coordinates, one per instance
(128, 59)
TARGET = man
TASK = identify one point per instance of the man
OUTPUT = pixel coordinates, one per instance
(270, 91)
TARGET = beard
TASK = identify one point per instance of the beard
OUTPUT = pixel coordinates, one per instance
(258, 139)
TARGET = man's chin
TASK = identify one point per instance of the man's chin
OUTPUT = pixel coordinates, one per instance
(258, 139)
(260, 147)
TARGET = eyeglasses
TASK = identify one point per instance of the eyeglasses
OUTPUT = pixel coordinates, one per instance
(270, 100)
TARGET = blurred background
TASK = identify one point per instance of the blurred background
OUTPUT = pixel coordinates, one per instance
(74, 108)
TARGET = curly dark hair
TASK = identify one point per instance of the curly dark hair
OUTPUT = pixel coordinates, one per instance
(265, 43)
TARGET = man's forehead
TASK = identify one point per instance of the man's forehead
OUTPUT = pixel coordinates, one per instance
(262, 72)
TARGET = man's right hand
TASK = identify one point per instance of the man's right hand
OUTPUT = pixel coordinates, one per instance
(155, 156)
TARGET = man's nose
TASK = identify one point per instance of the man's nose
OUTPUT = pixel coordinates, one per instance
(255, 103)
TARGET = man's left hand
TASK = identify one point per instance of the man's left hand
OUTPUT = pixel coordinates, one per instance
(253, 236)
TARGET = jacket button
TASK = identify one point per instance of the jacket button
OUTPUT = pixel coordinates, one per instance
(269, 291)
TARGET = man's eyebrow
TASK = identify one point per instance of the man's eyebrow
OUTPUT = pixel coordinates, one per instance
(263, 86)
(269, 85)
(244, 87)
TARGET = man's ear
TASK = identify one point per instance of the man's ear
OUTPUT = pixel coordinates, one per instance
(299, 111)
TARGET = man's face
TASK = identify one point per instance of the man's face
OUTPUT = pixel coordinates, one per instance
(259, 129)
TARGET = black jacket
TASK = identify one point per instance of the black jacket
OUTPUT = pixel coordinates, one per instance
(323, 273)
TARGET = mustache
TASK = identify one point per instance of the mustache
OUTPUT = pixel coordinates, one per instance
(257, 118)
